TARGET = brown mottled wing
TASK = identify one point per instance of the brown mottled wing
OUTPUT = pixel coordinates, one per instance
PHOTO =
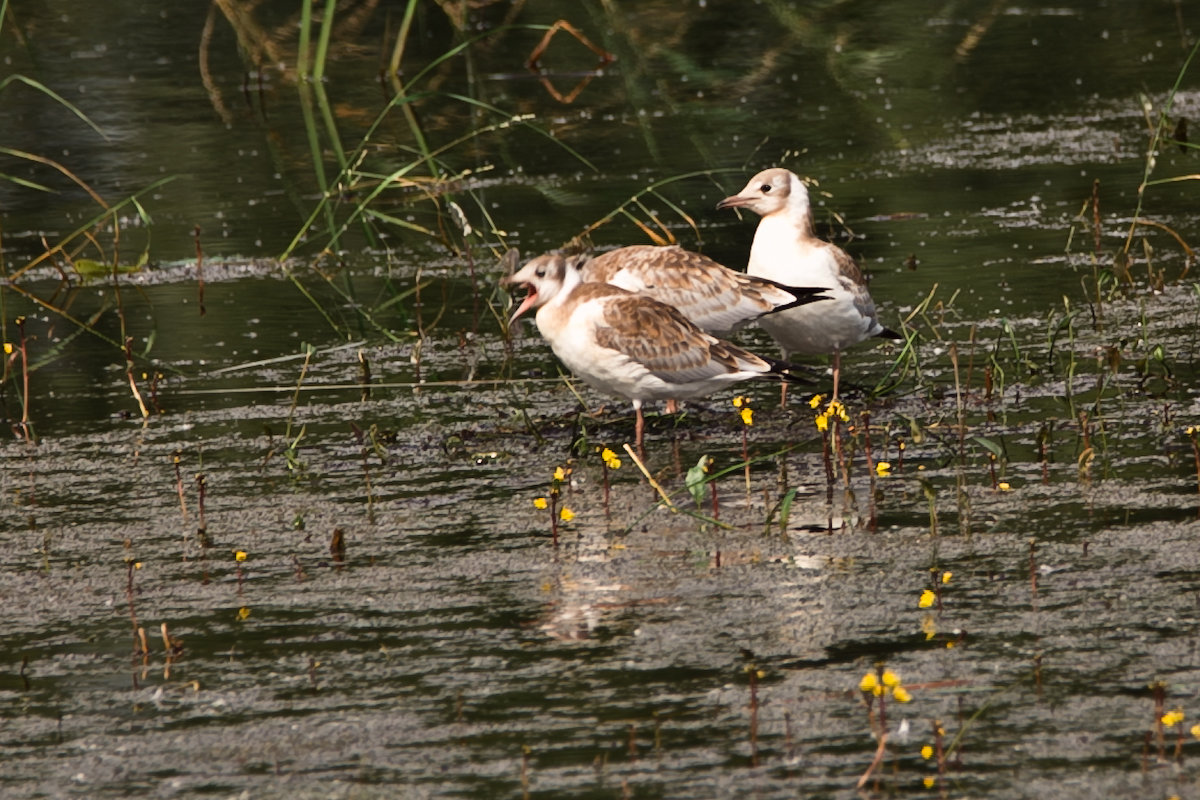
(712, 296)
(669, 346)
(851, 278)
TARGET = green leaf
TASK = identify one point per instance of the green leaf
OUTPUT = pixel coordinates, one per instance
(785, 509)
(989, 445)
(696, 479)
(88, 268)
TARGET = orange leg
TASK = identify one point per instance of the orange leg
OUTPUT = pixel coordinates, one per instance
(639, 430)
(837, 368)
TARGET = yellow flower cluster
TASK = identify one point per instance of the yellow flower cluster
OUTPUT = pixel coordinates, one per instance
(742, 403)
(560, 477)
(928, 596)
(835, 410)
(1172, 718)
(610, 459)
(888, 682)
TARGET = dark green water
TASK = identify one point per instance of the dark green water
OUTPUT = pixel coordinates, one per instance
(453, 650)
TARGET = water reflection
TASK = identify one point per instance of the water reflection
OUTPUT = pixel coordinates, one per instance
(453, 649)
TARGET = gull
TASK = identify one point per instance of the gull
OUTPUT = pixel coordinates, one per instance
(714, 297)
(627, 344)
(787, 250)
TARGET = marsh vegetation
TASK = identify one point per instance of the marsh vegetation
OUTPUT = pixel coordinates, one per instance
(284, 492)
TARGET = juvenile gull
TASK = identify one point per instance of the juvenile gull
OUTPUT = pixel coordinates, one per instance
(629, 344)
(714, 297)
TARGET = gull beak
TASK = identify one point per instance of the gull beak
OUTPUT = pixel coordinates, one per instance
(526, 304)
(735, 201)
(517, 277)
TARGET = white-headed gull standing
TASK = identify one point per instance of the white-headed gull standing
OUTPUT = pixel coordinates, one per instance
(786, 249)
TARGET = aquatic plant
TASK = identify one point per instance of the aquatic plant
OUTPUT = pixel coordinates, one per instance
(92, 251)
(875, 687)
(550, 502)
(373, 184)
(1160, 133)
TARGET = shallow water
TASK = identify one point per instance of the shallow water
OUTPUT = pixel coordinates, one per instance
(454, 650)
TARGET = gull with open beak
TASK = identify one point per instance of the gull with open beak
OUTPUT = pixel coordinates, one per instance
(627, 344)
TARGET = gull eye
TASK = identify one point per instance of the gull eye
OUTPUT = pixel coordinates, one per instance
(766, 187)
(540, 272)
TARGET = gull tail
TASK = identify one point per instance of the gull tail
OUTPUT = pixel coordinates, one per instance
(789, 372)
(803, 294)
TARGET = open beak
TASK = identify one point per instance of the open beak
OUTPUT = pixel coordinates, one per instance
(526, 304)
(531, 295)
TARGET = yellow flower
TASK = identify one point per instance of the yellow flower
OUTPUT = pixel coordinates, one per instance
(748, 415)
(610, 459)
(927, 599)
(869, 682)
(946, 576)
(1195, 731)
(890, 679)
(243, 612)
(560, 474)
(566, 514)
(1004, 486)
(8, 348)
(928, 781)
(739, 400)
(239, 555)
(816, 401)
(929, 627)
(901, 694)
(1172, 718)
(540, 503)
(927, 752)
(137, 565)
(883, 468)
(822, 422)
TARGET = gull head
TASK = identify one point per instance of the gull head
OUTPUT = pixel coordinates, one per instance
(769, 192)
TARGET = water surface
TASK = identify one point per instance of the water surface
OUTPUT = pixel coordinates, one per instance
(452, 649)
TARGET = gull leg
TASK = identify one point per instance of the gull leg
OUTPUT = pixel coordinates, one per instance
(783, 385)
(639, 428)
(837, 368)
